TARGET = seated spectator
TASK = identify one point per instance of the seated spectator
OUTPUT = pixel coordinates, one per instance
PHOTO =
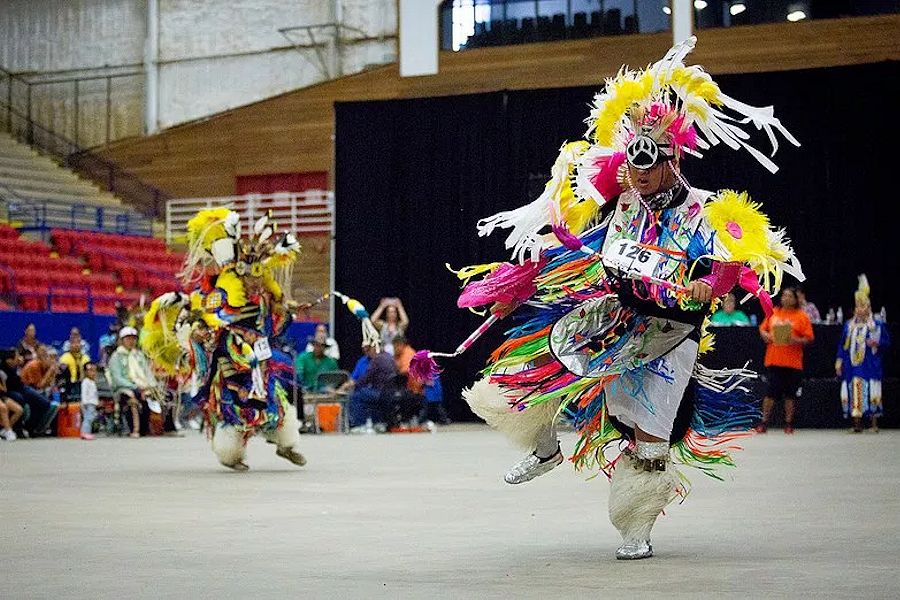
(393, 324)
(89, 401)
(808, 307)
(40, 408)
(430, 397)
(75, 336)
(309, 364)
(73, 363)
(41, 372)
(729, 314)
(373, 382)
(410, 397)
(10, 412)
(133, 382)
(29, 344)
(434, 410)
(331, 346)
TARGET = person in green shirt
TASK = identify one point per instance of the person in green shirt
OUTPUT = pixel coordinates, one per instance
(729, 315)
(309, 364)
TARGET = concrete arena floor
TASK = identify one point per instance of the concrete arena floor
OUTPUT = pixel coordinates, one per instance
(427, 516)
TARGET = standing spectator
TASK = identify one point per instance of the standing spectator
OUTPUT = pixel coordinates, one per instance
(41, 372)
(29, 344)
(729, 314)
(858, 361)
(785, 333)
(41, 409)
(373, 383)
(89, 401)
(332, 350)
(309, 364)
(393, 324)
(75, 336)
(10, 412)
(133, 382)
(808, 307)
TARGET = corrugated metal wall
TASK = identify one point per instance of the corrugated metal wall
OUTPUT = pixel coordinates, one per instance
(214, 56)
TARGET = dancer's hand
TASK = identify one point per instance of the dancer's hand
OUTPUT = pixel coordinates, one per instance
(700, 291)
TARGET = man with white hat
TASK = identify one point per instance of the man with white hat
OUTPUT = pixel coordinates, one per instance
(132, 380)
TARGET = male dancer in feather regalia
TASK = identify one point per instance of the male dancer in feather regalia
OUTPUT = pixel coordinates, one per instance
(218, 335)
(615, 297)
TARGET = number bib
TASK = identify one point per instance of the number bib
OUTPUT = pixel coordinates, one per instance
(261, 349)
(632, 258)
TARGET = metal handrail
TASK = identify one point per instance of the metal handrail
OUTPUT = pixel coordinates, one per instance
(42, 215)
(305, 213)
(142, 196)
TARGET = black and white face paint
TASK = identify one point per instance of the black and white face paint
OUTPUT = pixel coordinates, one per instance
(642, 152)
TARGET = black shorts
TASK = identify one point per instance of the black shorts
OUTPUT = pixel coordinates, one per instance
(784, 382)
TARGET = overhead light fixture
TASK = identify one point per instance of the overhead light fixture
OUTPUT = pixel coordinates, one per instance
(700, 4)
(796, 15)
(737, 8)
(667, 10)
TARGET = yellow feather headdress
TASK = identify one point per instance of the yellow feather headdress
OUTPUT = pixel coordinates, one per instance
(679, 107)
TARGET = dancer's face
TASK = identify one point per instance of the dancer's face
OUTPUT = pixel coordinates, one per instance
(657, 178)
(863, 310)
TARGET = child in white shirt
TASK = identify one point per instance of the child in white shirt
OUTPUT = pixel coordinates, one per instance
(89, 400)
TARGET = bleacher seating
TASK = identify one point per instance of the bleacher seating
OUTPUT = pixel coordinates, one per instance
(34, 177)
(546, 28)
(83, 270)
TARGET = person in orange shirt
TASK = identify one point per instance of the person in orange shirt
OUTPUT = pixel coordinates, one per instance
(410, 400)
(785, 333)
(403, 354)
(40, 372)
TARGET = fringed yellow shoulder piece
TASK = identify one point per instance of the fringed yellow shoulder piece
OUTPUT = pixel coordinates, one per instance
(272, 285)
(158, 339)
(231, 284)
(743, 233)
(577, 213)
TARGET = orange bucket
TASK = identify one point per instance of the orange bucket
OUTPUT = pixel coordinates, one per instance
(328, 416)
(68, 420)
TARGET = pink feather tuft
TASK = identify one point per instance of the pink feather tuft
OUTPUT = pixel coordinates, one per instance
(606, 181)
(509, 284)
(422, 367)
(683, 136)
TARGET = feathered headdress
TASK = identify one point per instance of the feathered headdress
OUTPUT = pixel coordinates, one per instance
(861, 295)
(640, 117)
(215, 244)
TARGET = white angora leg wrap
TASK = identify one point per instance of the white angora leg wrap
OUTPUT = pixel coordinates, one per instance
(637, 496)
(229, 445)
(526, 429)
(288, 435)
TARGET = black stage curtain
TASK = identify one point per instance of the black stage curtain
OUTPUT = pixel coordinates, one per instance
(413, 176)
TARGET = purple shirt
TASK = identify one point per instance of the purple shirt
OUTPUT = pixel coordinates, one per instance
(380, 373)
(812, 312)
